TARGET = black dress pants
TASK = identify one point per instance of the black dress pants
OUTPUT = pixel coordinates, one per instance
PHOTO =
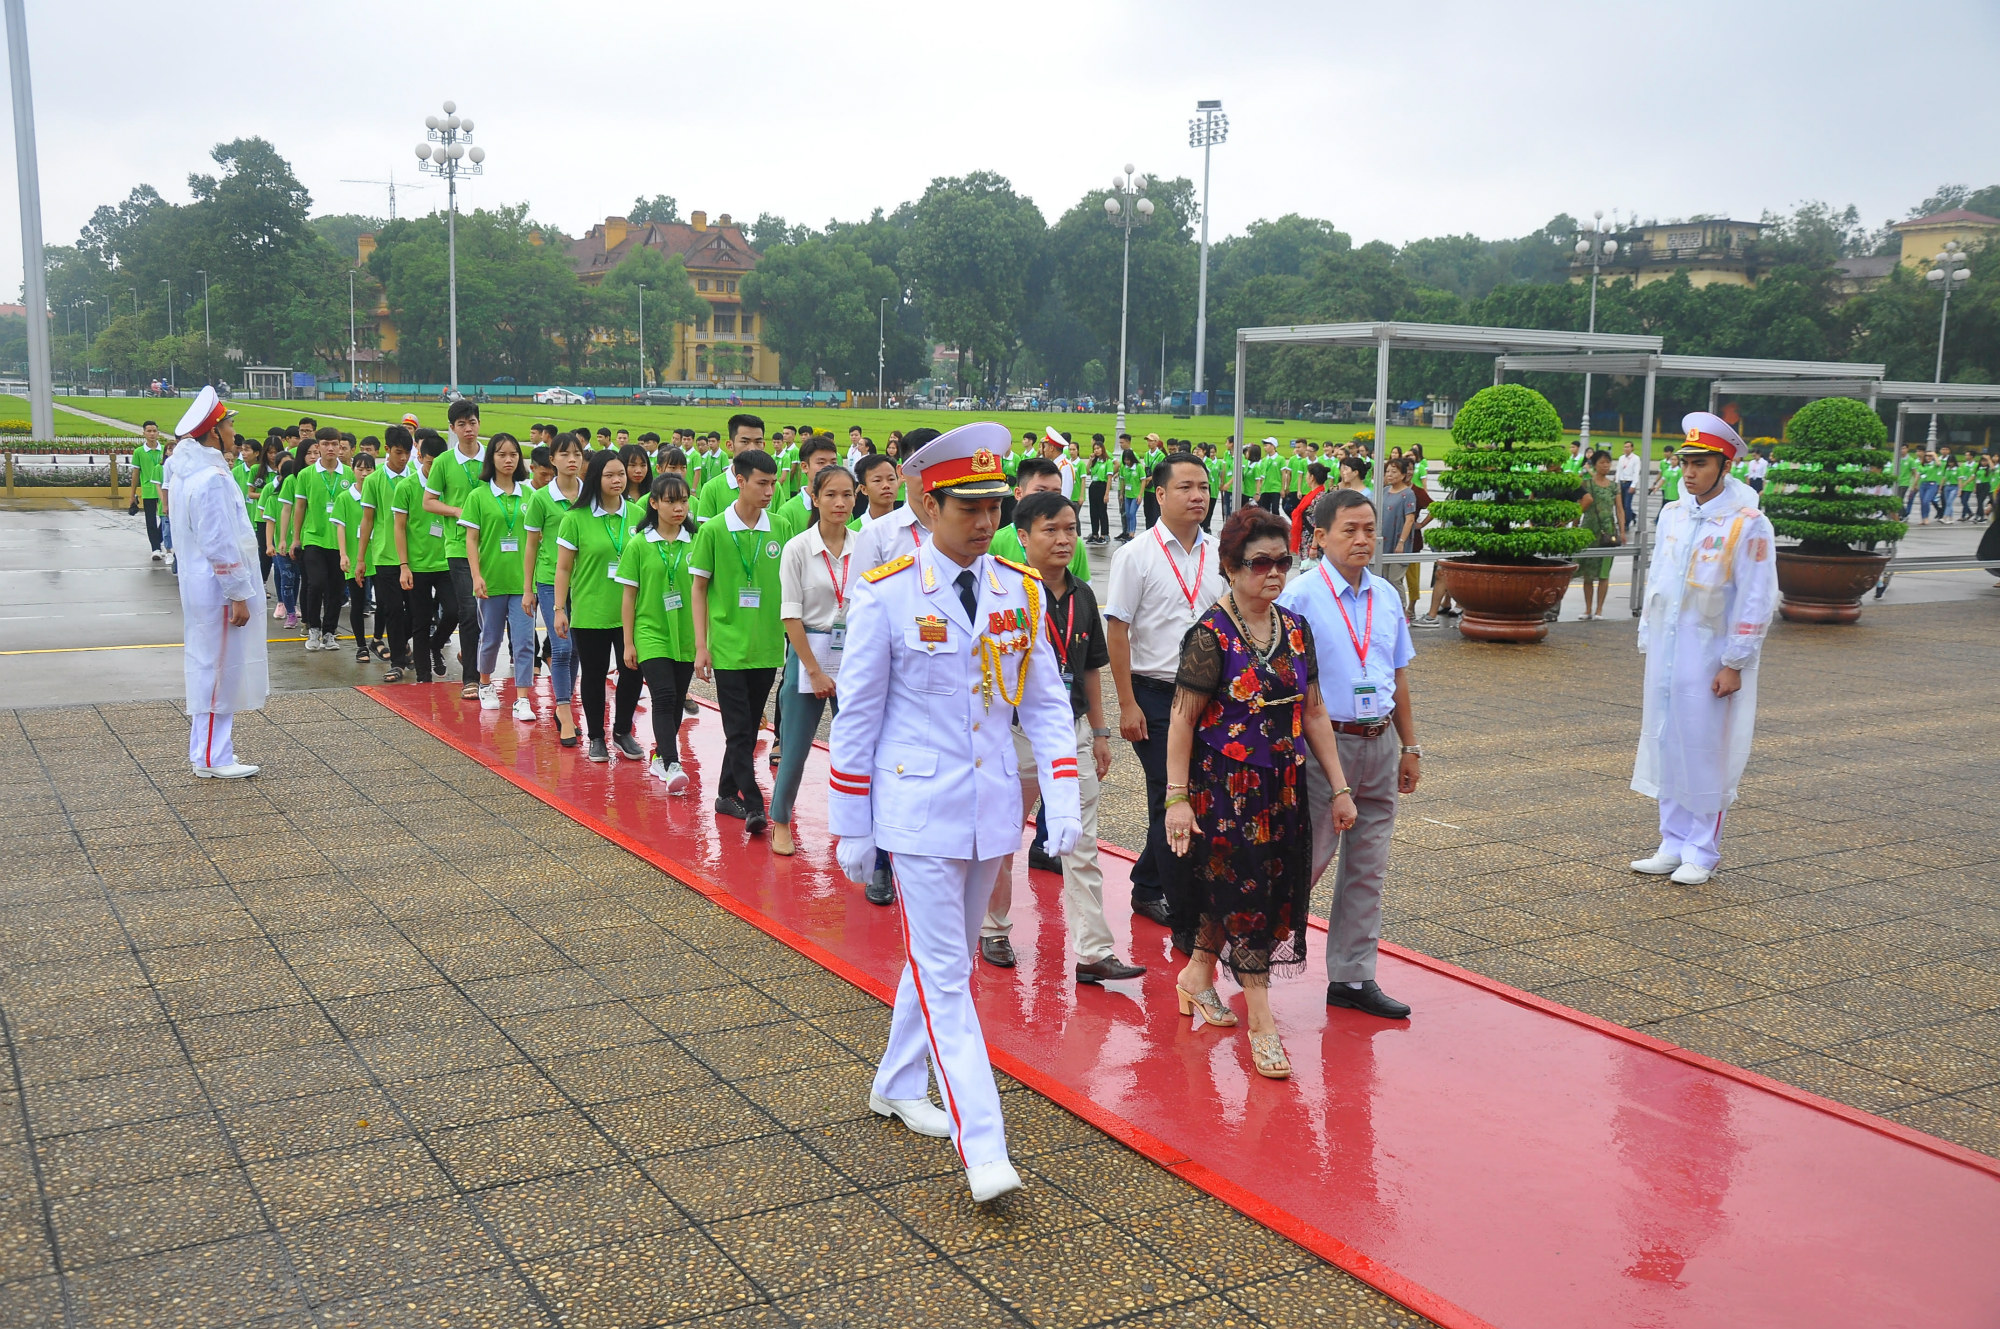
(666, 688)
(324, 587)
(740, 694)
(392, 615)
(468, 619)
(357, 611)
(433, 612)
(1100, 511)
(596, 648)
(1149, 874)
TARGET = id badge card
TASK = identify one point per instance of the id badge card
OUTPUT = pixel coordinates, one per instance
(509, 545)
(1367, 702)
(837, 636)
(671, 602)
(437, 529)
(329, 509)
(1069, 680)
(749, 597)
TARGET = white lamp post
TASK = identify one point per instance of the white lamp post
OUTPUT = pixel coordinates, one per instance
(446, 152)
(1596, 242)
(1950, 271)
(881, 347)
(170, 332)
(207, 343)
(1205, 131)
(1125, 208)
(350, 330)
(642, 334)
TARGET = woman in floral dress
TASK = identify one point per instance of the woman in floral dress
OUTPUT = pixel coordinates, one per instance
(1245, 702)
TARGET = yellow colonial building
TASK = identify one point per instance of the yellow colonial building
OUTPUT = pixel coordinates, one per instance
(1711, 252)
(1925, 237)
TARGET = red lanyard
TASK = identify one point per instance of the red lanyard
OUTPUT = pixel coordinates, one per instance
(1201, 565)
(1062, 651)
(840, 582)
(1368, 630)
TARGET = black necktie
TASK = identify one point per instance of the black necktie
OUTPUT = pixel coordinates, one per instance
(968, 597)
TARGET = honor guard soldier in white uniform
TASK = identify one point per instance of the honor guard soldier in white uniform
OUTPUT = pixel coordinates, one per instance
(1710, 593)
(944, 649)
(222, 589)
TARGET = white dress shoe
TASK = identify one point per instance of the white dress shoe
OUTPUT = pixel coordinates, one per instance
(234, 771)
(1659, 865)
(1690, 874)
(990, 1181)
(919, 1114)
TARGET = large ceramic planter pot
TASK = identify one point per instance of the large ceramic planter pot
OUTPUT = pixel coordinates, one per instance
(1505, 601)
(1826, 588)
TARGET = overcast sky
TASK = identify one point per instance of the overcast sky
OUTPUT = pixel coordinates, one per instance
(1394, 120)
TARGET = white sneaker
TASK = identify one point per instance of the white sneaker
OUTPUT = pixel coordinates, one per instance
(677, 780)
(925, 1118)
(524, 710)
(990, 1181)
(489, 698)
(312, 639)
(234, 771)
(1690, 874)
(657, 769)
(157, 557)
(1659, 865)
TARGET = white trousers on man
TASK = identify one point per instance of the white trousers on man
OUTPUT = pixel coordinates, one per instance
(1083, 875)
(941, 901)
(1692, 837)
(212, 739)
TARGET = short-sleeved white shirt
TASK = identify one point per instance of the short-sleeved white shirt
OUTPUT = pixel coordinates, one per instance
(1154, 604)
(806, 574)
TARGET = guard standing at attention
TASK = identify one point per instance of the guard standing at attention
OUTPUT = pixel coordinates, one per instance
(222, 590)
(1710, 593)
(944, 649)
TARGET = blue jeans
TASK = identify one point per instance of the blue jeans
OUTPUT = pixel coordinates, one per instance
(799, 714)
(1130, 511)
(288, 582)
(1928, 500)
(504, 611)
(1944, 503)
(562, 650)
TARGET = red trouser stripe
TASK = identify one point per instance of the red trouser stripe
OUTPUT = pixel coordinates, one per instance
(937, 1057)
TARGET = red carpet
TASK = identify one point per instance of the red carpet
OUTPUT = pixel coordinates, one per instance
(1497, 1159)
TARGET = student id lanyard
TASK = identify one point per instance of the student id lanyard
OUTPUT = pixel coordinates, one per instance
(1367, 697)
(614, 532)
(674, 562)
(1201, 565)
(749, 595)
(510, 508)
(839, 629)
(1061, 641)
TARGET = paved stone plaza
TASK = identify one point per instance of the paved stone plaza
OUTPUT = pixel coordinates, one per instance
(378, 1039)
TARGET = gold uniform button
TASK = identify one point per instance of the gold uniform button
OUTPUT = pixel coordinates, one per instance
(980, 762)
(899, 770)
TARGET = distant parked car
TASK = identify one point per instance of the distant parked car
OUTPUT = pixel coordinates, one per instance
(559, 397)
(660, 397)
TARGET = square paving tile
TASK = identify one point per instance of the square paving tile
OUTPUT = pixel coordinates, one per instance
(746, 1177)
(521, 1148)
(949, 1298)
(838, 1240)
(737, 1054)
(307, 1125)
(340, 1258)
(225, 1283)
(122, 1155)
(648, 1280)
(682, 1119)
(123, 1221)
(489, 1299)
(552, 1215)
(1076, 1278)
(380, 1174)
(940, 1210)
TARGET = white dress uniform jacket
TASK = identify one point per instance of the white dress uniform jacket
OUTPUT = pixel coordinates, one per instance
(894, 535)
(1710, 594)
(226, 668)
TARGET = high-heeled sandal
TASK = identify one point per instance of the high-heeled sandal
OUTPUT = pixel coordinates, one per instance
(1205, 1006)
(1267, 1054)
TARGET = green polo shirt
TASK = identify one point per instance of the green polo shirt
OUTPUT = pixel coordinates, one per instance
(715, 495)
(1670, 483)
(1007, 544)
(347, 531)
(452, 477)
(321, 489)
(1218, 473)
(1930, 472)
(425, 538)
(378, 495)
(1131, 480)
(1269, 474)
(597, 539)
(502, 533)
(663, 609)
(148, 462)
(741, 636)
(543, 516)
(1098, 470)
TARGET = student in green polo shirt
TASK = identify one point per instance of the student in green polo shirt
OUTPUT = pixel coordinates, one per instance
(739, 639)
(349, 525)
(147, 460)
(1036, 475)
(1097, 471)
(1131, 485)
(719, 491)
(496, 529)
(543, 522)
(423, 560)
(791, 516)
(658, 611)
(446, 488)
(314, 543)
(590, 600)
(378, 533)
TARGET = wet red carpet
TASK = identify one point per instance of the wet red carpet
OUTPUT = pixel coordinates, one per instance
(1496, 1158)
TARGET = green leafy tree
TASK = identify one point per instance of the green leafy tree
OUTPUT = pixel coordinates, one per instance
(1509, 501)
(671, 303)
(660, 208)
(821, 302)
(1831, 462)
(976, 254)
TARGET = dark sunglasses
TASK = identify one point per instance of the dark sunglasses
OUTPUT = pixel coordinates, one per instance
(1264, 563)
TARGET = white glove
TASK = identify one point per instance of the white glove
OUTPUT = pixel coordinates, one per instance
(1064, 832)
(857, 857)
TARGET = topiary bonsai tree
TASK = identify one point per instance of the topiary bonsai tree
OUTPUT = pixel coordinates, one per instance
(1510, 502)
(1826, 496)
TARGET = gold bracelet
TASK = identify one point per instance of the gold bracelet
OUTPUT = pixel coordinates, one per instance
(1344, 789)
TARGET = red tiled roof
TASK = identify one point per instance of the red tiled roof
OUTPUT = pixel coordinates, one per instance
(716, 249)
(1959, 216)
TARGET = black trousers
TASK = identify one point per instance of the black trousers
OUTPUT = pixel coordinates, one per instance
(433, 610)
(740, 694)
(1100, 511)
(468, 620)
(596, 648)
(357, 611)
(152, 507)
(320, 606)
(666, 688)
(1149, 874)
(264, 562)
(392, 614)
(1151, 504)
(1268, 501)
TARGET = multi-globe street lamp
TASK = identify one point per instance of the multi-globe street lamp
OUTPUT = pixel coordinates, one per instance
(1125, 208)
(447, 151)
(1596, 243)
(171, 378)
(881, 347)
(1205, 131)
(642, 334)
(1950, 271)
(350, 330)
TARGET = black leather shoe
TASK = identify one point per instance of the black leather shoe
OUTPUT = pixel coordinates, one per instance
(1155, 909)
(1043, 861)
(1110, 967)
(756, 823)
(881, 888)
(1367, 998)
(998, 951)
(730, 807)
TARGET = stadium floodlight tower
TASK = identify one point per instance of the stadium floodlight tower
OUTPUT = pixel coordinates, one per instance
(1950, 271)
(1205, 131)
(1125, 207)
(447, 151)
(1595, 243)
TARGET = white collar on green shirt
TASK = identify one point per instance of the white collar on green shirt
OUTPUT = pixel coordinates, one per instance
(653, 534)
(599, 510)
(732, 522)
(498, 492)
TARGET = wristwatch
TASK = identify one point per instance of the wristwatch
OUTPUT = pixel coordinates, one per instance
(1100, 733)
(1412, 750)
